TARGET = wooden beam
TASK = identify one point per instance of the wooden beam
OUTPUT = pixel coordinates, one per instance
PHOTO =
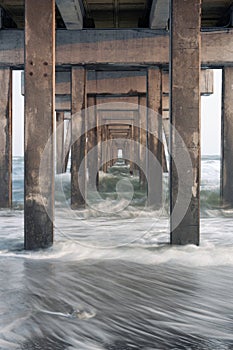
(6, 138)
(125, 120)
(39, 122)
(71, 13)
(116, 47)
(116, 82)
(123, 82)
(78, 148)
(227, 140)
(159, 14)
(119, 128)
(185, 118)
(124, 103)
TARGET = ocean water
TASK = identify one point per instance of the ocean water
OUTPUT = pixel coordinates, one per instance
(111, 281)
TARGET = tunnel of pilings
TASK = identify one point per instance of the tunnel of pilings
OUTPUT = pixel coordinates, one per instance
(118, 85)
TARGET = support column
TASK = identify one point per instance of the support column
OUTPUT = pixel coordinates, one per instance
(5, 138)
(92, 143)
(104, 147)
(227, 139)
(136, 147)
(78, 149)
(185, 117)
(131, 151)
(111, 161)
(155, 171)
(39, 122)
(143, 140)
(67, 145)
(60, 142)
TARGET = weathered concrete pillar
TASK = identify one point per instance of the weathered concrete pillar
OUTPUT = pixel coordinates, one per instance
(227, 138)
(39, 122)
(78, 149)
(111, 161)
(136, 147)
(5, 138)
(185, 117)
(143, 140)
(92, 143)
(104, 148)
(132, 149)
(154, 103)
(67, 145)
(60, 142)
(115, 152)
(108, 154)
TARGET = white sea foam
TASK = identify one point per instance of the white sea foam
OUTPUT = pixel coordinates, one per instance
(145, 293)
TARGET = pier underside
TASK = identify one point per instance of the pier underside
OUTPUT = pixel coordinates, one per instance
(126, 78)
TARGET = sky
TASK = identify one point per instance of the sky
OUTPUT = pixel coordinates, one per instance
(210, 117)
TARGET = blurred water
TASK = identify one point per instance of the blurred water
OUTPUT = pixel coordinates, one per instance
(113, 282)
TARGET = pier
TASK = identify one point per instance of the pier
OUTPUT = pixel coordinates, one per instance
(124, 76)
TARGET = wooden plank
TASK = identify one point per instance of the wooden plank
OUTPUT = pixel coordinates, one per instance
(185, 118)
(116, 47)
(227, 140)
(155, 171)
(71, 13)
(5, 138)
(78, 148)
(116, 82)
(39, 122)
(159, 14)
